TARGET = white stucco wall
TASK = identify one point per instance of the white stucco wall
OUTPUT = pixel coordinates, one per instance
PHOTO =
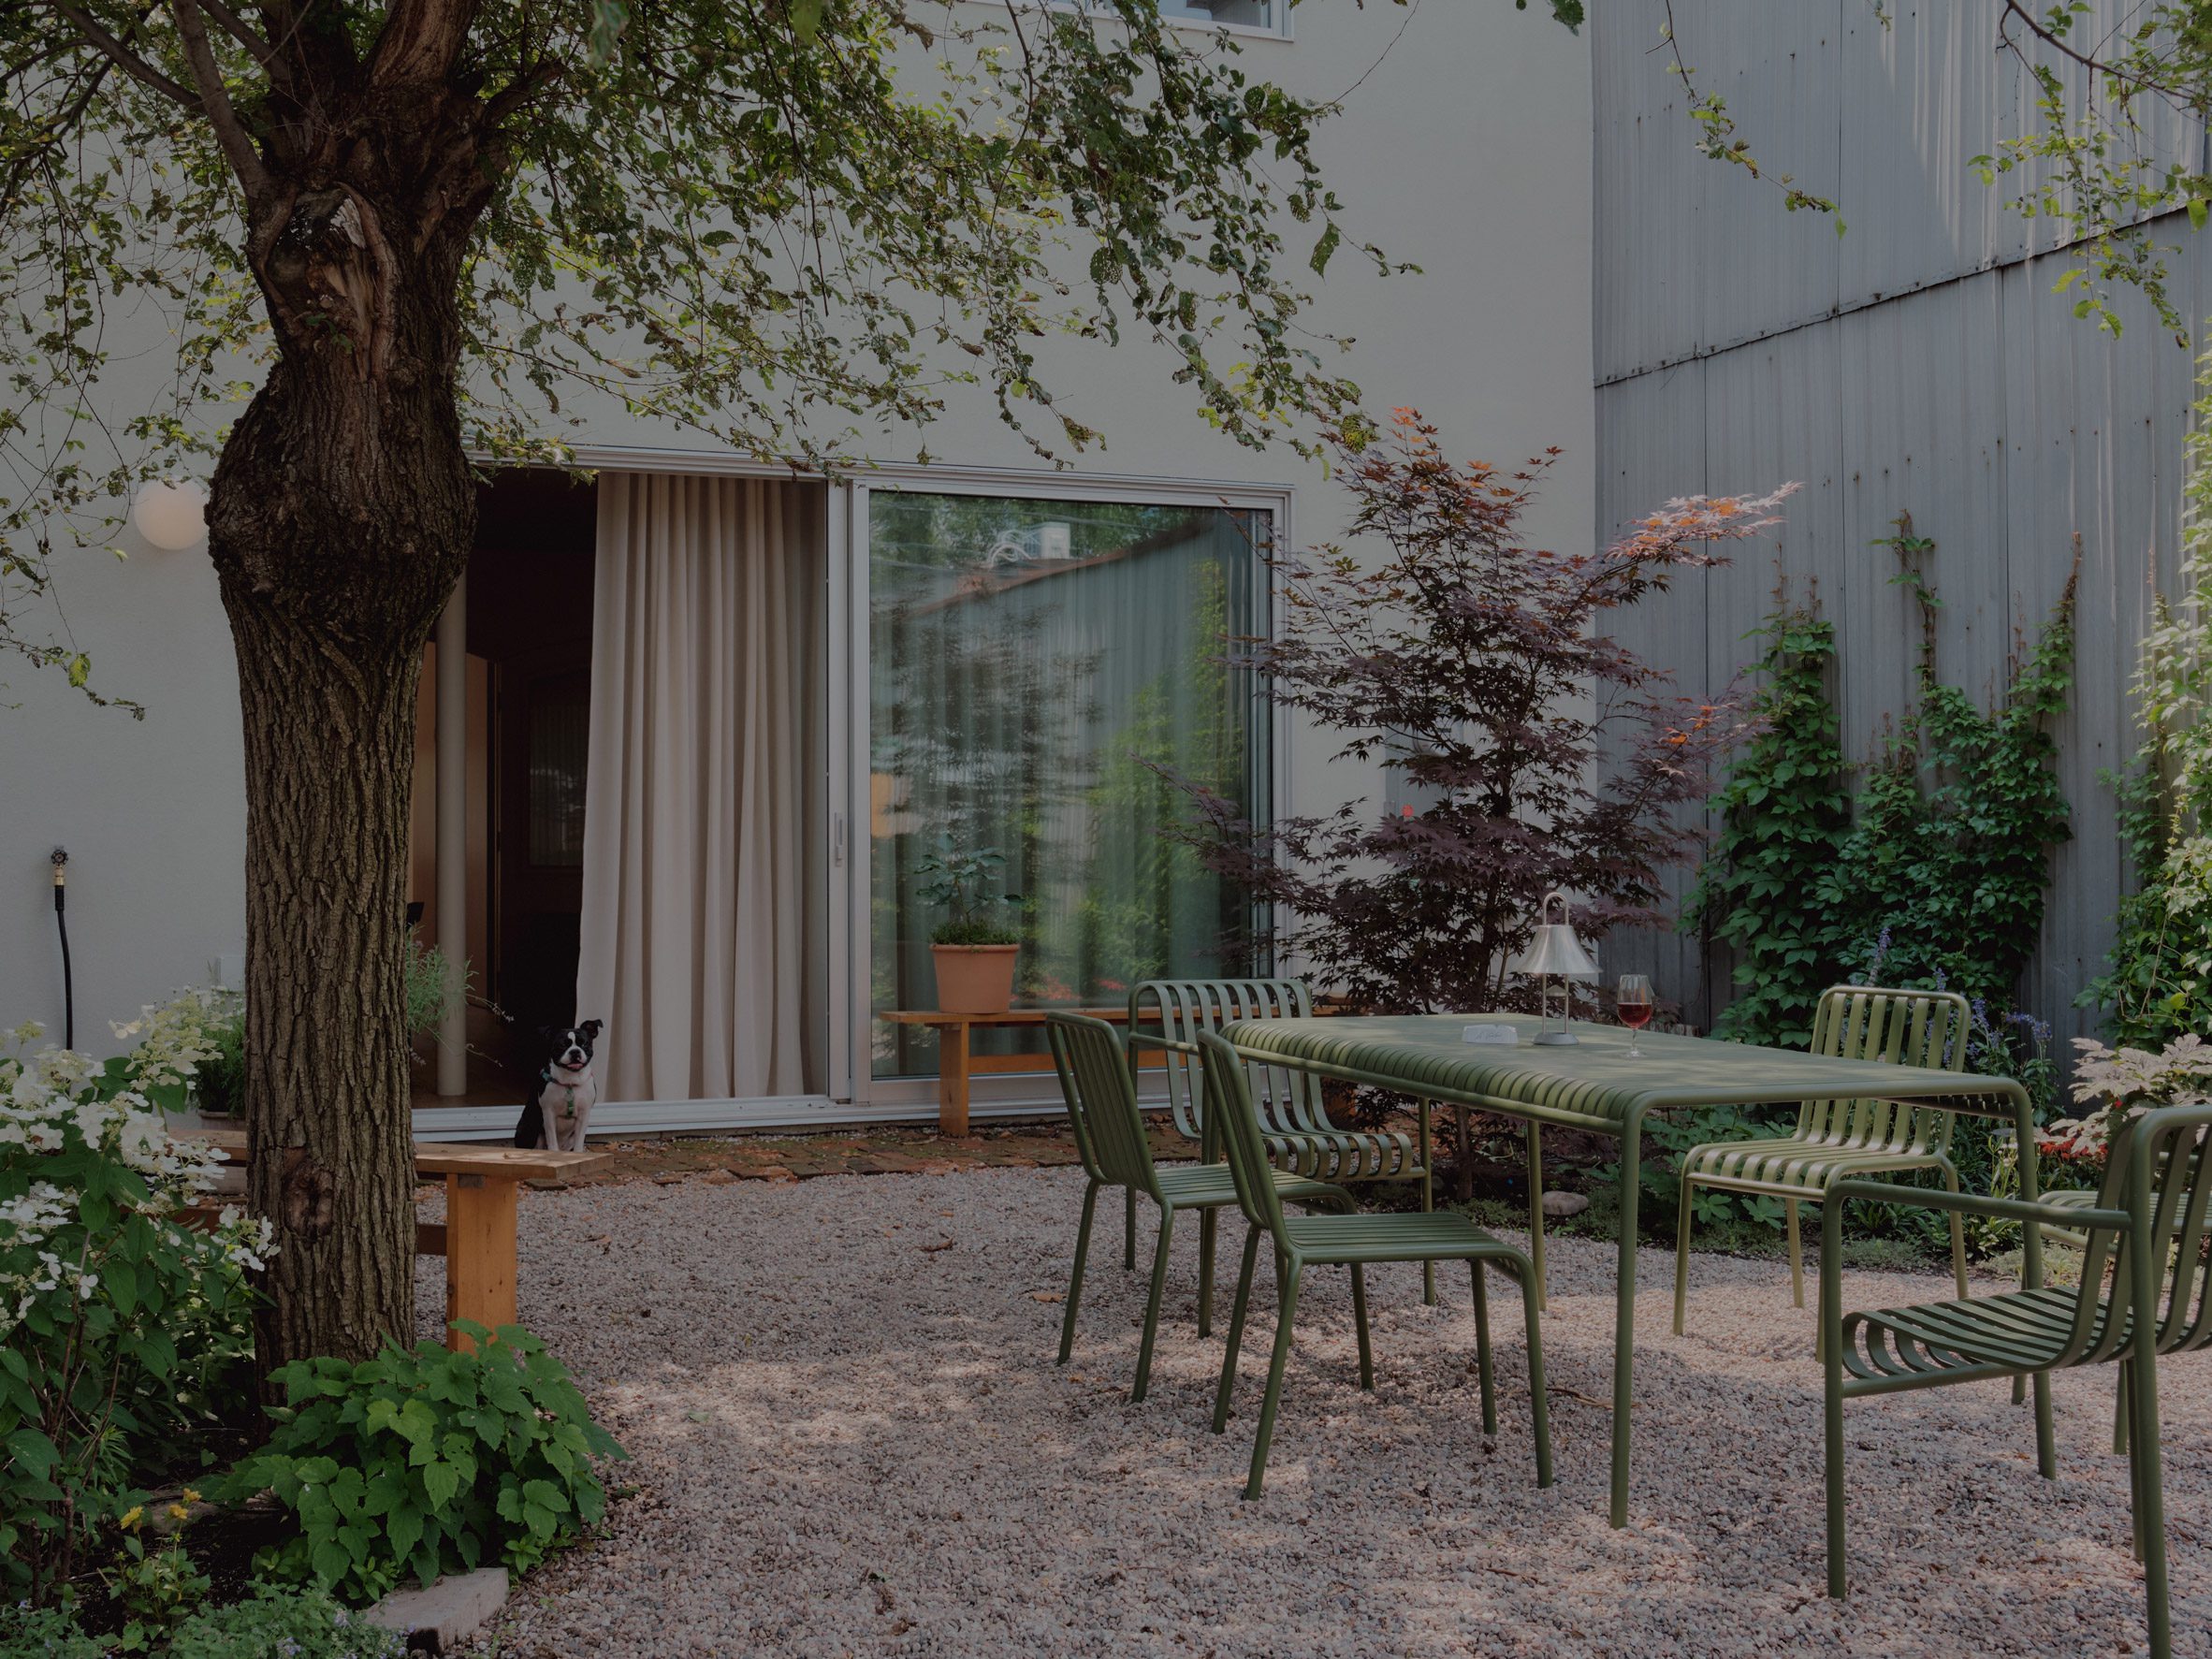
(1466, 150)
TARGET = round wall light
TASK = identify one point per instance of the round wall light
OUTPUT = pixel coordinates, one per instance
(170, 514)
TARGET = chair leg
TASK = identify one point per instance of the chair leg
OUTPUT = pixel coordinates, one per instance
(1428, 1196)
(2150, 1499)
(1236, 1332)
(2046, 1446)
(1832, 1373)
(1285, 1317)
(1360, 1319)
(1482, 1371)
(1082, 1251)
(1789, 1210)
(1539, 1401)
(2123, 1442)
(1159, 1280)
(1129, 1232)
(1207, 1227)
(1536, 1212)
(1957, 1232)
(1682, 1254)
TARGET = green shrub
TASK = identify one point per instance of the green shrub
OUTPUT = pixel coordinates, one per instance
(43, 1633)
(1784, 817)
(279, 1622)
(426, 1461)
(121, 1333)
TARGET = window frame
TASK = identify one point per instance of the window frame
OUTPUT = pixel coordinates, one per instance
(1012, 1091)
(1284, 31)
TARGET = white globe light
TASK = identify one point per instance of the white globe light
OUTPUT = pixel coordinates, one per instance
(171, 514)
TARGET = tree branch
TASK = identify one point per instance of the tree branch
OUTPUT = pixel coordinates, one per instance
(2066, 49)
(237, 144)
(240, 30)
(123, 58)
(420, 40)
(521, 90)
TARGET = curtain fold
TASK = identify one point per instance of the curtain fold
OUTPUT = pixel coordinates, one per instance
(702, 934)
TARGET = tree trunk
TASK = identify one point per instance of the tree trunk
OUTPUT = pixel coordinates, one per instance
(342, 513)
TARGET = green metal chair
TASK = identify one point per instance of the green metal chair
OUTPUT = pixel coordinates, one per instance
(1314, 1241)
(2147, 1227)
(1170, 1014)
(1839, 1139)
(1109, 1137)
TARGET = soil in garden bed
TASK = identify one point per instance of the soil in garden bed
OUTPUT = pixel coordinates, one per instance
(222, 1543)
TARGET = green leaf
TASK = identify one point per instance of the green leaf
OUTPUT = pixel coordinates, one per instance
(441, 1481)
(1323, 249)
(31, 1449)
(331, 1562)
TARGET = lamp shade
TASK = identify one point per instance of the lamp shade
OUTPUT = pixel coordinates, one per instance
(1554, 950)
(170, 514)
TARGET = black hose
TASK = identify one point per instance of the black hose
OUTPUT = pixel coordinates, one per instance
(61, 922)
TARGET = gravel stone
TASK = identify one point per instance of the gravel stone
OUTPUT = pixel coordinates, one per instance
(850, 1440)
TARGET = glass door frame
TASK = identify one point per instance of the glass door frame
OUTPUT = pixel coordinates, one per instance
(852, 943)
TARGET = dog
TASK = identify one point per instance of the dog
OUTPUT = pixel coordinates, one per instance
(559, 1108)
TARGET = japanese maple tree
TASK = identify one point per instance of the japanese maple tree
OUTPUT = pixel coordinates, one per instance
(1479, 669)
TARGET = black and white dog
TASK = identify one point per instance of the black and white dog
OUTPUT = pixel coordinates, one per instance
(559, 1108)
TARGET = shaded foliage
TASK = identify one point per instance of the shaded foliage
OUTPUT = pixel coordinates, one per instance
(1784, 817)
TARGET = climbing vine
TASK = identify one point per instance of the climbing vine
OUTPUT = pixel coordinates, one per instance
(1784, 813)
(2158, 979)
(1935, 875)
(1949, 862)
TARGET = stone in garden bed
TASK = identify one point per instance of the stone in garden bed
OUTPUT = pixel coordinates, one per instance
(434, 1619)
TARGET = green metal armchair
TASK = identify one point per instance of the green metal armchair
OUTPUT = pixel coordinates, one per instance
(1839, 1139)
(2147, 1227)
(1168, 1015)
(1109, 1137)
(1348, 1240)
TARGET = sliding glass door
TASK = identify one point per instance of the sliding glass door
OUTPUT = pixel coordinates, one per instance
(1050, 681)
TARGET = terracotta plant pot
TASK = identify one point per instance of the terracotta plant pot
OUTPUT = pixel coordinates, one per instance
(974, 979)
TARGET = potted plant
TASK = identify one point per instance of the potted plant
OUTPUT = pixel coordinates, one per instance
(973, 947)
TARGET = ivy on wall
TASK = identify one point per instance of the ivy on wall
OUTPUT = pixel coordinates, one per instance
(1935, 875)
(1784, 813)
(1949, 862)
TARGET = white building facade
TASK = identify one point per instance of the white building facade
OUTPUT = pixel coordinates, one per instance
(712, 721)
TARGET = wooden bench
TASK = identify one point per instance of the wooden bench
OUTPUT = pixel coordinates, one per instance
(957, 1060)
(477, 1237)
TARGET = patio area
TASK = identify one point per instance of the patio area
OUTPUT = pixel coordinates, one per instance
(850, 1438)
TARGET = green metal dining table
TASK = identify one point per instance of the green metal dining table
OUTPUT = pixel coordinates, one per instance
(1595, 1085)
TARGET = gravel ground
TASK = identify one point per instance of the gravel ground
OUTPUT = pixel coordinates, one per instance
(850, 1438)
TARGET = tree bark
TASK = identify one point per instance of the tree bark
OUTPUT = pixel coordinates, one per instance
(341, 512)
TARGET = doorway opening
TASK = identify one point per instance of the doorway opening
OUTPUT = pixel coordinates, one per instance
(529, 606)
(625, 800)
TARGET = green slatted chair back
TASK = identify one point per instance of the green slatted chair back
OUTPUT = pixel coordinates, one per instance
(2158, 1163)
(1924, 1029)
(1229, 1104)
(1101, 1101)
(1289, 1102)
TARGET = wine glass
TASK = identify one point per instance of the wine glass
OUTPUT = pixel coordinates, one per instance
(1632, 1001)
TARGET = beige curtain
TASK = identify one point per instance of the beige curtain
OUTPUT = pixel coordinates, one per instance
(703, 936)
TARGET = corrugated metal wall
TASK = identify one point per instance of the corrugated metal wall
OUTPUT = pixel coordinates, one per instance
(1919, 362)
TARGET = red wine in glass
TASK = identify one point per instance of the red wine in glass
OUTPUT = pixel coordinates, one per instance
(1632, 1002)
